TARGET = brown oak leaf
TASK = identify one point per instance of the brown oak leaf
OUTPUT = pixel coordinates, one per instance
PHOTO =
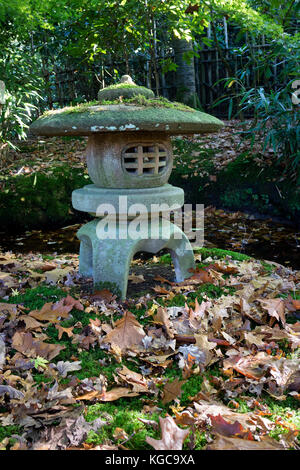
(172, 436)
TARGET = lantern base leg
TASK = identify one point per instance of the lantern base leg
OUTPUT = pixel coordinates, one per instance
(108, 260)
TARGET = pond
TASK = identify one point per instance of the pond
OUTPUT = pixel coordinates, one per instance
(262, 239)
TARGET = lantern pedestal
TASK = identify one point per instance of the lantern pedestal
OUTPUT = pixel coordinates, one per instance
(108, 260)
(129, 221)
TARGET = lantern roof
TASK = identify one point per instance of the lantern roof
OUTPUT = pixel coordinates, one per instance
(125, 107)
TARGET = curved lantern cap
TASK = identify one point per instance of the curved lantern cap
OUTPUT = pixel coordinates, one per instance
(126, 88)
(126, 107)
(123, 117)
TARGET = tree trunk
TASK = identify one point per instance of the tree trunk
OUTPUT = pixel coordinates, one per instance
(185, 72)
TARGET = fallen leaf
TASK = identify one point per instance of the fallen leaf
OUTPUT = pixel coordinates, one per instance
(162, 318)
(27, 345)
(172, 390)
(235, 443)
(136, 278)
(275, 308)
(172, 436)
(127, 333)
(223, 427)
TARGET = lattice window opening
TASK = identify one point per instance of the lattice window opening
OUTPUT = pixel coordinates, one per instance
(145, 159)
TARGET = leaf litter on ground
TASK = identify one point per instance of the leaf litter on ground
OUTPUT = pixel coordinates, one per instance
(234, 333)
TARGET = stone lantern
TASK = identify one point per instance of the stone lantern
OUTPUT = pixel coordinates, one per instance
(129, 159)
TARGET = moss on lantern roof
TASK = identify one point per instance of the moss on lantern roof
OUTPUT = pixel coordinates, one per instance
(126, 90)
(119, 117)
(138, 100)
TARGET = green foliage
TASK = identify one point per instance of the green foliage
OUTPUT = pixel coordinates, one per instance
(249, 184)
(40, 362)
(113, 287)
(277, 120)
(275, 112)
(247, 18)
(190, 389)
(165, 259)
(22, 90)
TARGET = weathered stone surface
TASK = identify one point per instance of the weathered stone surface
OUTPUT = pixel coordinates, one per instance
(109, 260)
(88, 198)
(111, 165)
(124, 118)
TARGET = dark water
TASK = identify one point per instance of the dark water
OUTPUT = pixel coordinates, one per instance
(262, 239)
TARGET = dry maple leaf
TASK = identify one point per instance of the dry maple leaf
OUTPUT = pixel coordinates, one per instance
(225, 428)
(172, 436)
(61, 331)
(164, 280)
(275, 308)
(225, 268)
(52, 312)
(161, 290)
(206, 408)
(205, 347)
(202, 275)
(127, 333)
(286, 373)
(9, 310)
(253, 367)
(138, 382)
(296, 304)
(30, 347)
(161, 360)
(7, 281)
(252, 338)
(31, 323)
(195, 316)
(103, 295)
(172, 390)
(70, 302)
(113, 394)
(57, 274)
(235, 443)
